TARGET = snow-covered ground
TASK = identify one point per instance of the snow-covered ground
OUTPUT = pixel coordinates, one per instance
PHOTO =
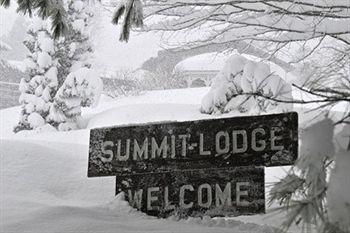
(44, 185)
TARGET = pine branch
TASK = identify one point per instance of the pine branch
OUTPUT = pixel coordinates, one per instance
(125, 33)
(283, 190)
(58, 17)
(137, 17)
(25, 6)
(43, 7)
(117, 15)
(5, 3)
(133, 16)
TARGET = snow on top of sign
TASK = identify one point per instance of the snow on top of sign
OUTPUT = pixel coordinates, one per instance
(150, 113)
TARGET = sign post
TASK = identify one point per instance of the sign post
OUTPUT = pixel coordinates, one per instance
(206, 167)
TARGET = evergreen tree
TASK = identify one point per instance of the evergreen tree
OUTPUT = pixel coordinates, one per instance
(60, 79)
(80, 87)
(39, 87)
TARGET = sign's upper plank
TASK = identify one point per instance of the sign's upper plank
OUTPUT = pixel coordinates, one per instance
(268, 140)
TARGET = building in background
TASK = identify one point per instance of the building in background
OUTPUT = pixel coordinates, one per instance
(199, 70)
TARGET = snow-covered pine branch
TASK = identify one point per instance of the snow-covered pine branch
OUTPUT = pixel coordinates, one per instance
(53, 10)
(274, 21)
(241, 76)
(289, 30)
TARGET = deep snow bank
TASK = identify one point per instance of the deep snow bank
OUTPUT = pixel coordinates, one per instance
(44, 186)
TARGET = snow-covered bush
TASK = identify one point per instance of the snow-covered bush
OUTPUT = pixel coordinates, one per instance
(241, 85)
(123, 82)
(162, 80)
(130, 83)
(38, 88)
(81, 88)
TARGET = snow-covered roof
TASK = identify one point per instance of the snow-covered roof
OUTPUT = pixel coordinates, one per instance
(216, 61)
(205, 61)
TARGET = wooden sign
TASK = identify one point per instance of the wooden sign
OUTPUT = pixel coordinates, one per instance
(267, 140)
(213, 192)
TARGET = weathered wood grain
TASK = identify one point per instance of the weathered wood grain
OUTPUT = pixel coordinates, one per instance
(212, 192)
(267, 140)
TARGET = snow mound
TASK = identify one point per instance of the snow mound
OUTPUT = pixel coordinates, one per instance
(44, 185)
(43, 172)
(35, 120)
(44, 188)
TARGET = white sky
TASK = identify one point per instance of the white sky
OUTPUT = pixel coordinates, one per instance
(7, 17)
(110, 53)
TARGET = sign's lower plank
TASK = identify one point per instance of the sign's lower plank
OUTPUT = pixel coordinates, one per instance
(213, 192)
(267, 140)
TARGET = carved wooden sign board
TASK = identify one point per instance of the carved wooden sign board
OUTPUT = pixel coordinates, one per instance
(207, 167)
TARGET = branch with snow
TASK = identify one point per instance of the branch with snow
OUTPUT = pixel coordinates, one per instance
(242, 86)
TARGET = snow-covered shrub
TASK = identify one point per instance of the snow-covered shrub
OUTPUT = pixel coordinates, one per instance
(81, 88)
(241, 85)
(162, 80)
(123, 82)
(131, 83)
(38, 88)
